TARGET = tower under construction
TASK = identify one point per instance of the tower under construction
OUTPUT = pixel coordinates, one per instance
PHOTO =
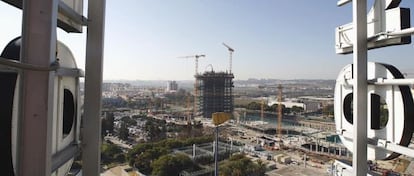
(215, 93)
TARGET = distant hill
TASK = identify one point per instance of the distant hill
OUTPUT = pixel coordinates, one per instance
(153, 83)
(252, 82)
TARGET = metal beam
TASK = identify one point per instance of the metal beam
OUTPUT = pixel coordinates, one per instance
(63, 9)
(64, 156)
(390, 81)
(93, 87)
(343, 2)
(36, 91)
(359, 16)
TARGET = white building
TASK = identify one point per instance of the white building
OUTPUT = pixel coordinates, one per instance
(172, 86)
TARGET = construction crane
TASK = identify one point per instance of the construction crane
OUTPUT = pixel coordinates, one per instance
(262, 111)
(279, 112)
(195, 82)
(196, 60)
(231, 50)
(262, 115)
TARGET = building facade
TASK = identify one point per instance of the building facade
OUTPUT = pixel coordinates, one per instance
(214, 93)
(172, 86)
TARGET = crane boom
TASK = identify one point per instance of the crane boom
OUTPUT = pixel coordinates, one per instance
(195, 83)
(196, 60)
(231, 50)
(228, 47)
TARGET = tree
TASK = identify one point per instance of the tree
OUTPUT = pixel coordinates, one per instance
(107, 124)
(111, 152)
(129, 121)
(123, 132)
(110, 117)
(296, 109)
(142, 155)
(328, 110)
(117, 102)
(240, 165)
(171, 165)
(274, 108)
(143, 160)
(156, 130)
(254, 106)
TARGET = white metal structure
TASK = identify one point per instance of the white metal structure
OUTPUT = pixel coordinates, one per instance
(389, 110)
(37, 143)
(360, 37)
(387, 24)
(66, 110)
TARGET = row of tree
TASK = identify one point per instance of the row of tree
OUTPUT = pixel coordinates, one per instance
(240, 165)
(151, 158)
(178, 98)
(156, 159)
(111, 153)
(107, 126)
(258, 106)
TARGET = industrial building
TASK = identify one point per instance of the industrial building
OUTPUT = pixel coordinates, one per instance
(215, 93)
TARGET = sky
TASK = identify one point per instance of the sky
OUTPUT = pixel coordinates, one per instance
(275, 39)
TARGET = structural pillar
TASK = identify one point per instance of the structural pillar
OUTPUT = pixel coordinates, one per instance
(35, 118)
(360, 85)
(91, 154)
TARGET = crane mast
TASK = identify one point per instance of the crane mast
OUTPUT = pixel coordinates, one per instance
(195, 82)
(279, 112)
(262, 111)
(231, 50)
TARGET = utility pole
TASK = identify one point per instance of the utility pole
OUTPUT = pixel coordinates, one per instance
(218, 119)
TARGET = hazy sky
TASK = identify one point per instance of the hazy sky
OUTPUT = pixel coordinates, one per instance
(272, 38)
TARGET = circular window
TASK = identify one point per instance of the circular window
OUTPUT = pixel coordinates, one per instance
(348, 108)
(68, 111)
(379, 111)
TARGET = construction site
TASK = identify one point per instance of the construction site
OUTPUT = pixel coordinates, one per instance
(215, 93)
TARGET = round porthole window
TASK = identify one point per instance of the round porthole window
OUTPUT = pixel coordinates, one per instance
(68, 111)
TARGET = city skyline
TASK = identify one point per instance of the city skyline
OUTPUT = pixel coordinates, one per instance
(272, 39)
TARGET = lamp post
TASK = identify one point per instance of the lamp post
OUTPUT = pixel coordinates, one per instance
(218, 118)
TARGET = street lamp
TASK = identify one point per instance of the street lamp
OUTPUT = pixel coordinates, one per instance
(218, 118)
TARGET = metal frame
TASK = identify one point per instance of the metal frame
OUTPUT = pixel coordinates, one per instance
(383, 29)
(38, 69)
(384, 144)
(93, 88)
(36, 93)
(60, 71)
(64, 156)
(360, 83)
(62, 9)
(359, 17)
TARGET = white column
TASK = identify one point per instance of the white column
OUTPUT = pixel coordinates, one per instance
(93, 87)
(359, 159)
(37, 95)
